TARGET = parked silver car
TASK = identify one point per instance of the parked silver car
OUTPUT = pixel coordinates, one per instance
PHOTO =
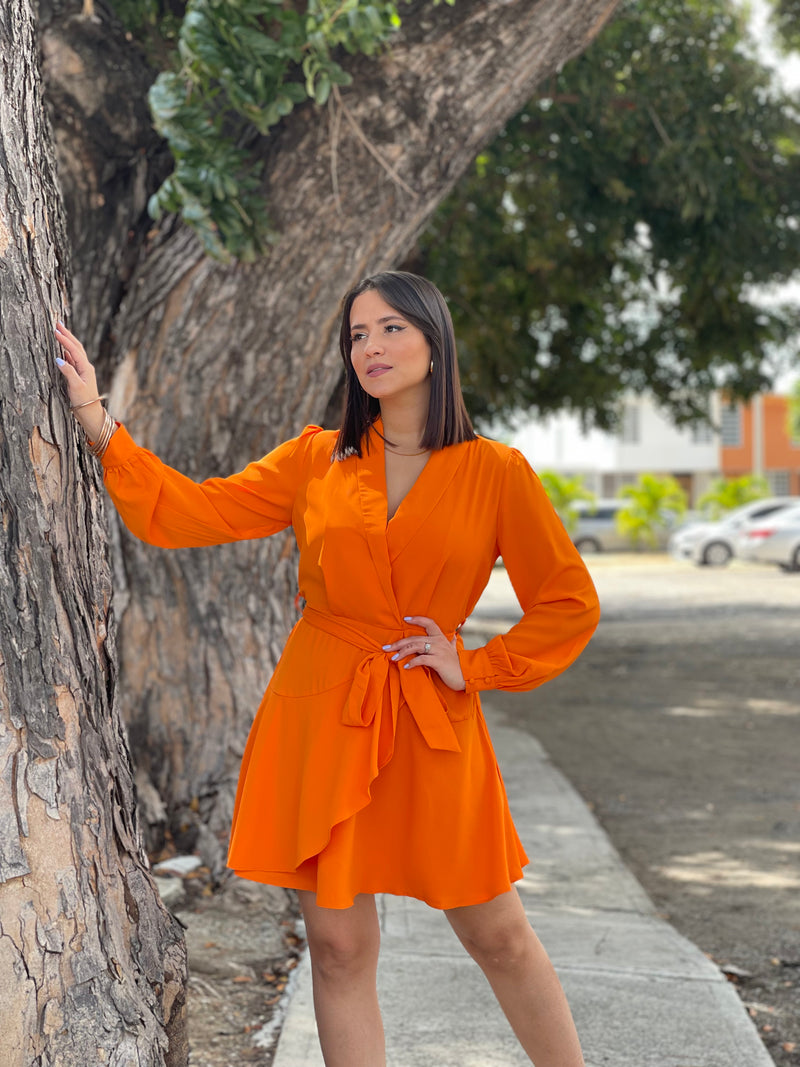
(774, 539)
(713, 544)
(596, 528)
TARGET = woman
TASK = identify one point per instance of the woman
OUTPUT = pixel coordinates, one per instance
(369, 749)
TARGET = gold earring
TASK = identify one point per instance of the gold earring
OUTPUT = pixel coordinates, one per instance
(431, 370)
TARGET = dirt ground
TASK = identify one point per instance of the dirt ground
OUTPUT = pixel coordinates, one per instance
(243, 944)
(680, 727)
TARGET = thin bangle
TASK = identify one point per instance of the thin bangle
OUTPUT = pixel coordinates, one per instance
(86, 403)
(98, 447)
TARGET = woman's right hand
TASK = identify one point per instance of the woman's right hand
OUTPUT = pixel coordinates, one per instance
(81, 382)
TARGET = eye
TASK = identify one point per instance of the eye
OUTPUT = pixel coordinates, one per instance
(394, 326)
(357, 337)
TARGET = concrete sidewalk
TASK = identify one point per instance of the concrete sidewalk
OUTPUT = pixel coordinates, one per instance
(642, 995)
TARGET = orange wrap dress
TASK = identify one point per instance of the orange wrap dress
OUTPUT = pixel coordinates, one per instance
(360, 776)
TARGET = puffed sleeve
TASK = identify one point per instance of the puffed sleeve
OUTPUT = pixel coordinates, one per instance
(558, 599)
(165, 508)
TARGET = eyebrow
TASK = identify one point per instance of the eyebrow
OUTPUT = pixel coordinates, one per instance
(386, 318)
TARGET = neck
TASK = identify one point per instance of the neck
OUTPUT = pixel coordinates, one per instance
(404, 422)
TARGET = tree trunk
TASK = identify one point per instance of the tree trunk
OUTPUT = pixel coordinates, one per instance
(212, 365)
(92, 967)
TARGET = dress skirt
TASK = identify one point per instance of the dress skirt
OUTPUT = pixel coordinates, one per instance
(342, 808)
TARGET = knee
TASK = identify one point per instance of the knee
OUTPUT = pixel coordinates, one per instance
(502, 947)
(338, 955)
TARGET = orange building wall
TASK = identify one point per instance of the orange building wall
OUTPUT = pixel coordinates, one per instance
(778, 452)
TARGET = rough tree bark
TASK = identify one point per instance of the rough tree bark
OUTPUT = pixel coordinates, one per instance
(211, 365)
(92, 967)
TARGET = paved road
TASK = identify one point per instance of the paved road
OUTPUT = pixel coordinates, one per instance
(679, 726)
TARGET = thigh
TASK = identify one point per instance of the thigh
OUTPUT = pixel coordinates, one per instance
(352, 930)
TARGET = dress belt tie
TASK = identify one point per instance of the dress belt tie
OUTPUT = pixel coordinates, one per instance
(376, 672)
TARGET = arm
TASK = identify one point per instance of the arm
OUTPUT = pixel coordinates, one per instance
(557, 597)
(164, 507)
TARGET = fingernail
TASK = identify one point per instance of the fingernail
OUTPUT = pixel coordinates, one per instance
(386, 647)
(396, 655)
(60, 323)
(407, 618)
(60, 361)
(406, 666)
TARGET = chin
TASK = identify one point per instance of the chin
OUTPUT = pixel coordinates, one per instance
(375, 389)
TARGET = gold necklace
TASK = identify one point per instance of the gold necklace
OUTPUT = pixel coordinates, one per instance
(398, 453)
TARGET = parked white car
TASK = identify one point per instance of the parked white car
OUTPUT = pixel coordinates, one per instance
(774, 539)
(713, 544)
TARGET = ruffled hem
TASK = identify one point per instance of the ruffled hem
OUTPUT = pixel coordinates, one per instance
(306, 880)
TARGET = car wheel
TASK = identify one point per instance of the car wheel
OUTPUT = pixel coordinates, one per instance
(588, 544)
(795, 564)
(717, 554)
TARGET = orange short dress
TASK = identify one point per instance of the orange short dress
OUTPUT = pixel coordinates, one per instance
(360, 776)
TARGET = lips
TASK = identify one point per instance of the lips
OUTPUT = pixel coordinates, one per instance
(377, 369)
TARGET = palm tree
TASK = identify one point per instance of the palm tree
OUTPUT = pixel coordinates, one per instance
(564, 492)
(654, 505)
(794, 412)
(726, 494)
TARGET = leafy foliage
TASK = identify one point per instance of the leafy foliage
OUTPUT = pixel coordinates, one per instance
(238, 68)
(564, 491)
(654, 505)
(726, 494)
(787, 22)
(610, 238)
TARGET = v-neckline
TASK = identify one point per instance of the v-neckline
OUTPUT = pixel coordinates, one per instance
(387, 537)
(406, 495)
(378, 426)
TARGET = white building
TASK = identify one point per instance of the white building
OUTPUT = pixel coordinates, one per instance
(647, 442)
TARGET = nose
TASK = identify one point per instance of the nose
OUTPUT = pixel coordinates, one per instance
(373, 346)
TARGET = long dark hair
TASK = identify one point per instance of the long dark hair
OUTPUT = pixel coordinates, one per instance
(419, 301)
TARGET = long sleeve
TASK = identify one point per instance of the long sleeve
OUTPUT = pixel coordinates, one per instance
(558, 599)
(165, 508)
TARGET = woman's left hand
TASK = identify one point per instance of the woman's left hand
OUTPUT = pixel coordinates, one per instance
(441, 655)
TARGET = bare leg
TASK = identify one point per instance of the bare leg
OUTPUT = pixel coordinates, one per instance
(343, 945)
(499, 937)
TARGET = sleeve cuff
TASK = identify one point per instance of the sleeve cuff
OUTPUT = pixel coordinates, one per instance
(477, 668)
(121, 448)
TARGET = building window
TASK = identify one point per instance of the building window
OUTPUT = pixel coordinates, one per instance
(629, 430)
(779, 482)
(731, 426)
(702, 433)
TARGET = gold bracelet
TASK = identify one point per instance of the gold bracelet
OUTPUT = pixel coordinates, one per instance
(98, 447)
(86, 403)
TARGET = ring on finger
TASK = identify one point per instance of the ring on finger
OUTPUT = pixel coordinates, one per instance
(427, 647)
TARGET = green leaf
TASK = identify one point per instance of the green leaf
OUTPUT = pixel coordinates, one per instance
(322, 88)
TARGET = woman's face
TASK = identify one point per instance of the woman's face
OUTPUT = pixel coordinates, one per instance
(391, 356)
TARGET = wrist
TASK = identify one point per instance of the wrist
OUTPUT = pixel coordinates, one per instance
(99, 442)
(92, 417)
